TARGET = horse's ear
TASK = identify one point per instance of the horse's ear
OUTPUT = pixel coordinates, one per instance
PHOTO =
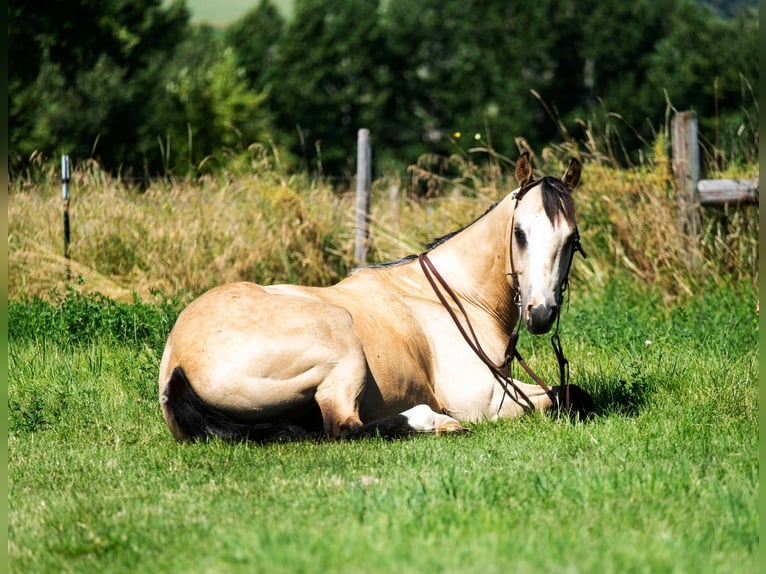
(523, 169)
(571, 176)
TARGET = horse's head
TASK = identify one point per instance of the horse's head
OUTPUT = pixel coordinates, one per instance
(543, 239)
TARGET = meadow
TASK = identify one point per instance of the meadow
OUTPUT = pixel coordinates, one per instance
(661, 328)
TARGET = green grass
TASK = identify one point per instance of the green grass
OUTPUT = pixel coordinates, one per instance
(665, 478)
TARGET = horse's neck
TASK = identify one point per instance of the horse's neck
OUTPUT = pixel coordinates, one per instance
(475, 264)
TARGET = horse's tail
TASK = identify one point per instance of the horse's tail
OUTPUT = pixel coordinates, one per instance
(191, 418)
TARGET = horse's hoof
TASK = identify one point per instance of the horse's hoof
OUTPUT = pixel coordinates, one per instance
(422, 418)
(450, 425)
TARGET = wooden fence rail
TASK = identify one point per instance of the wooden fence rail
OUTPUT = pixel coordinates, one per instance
(693, 192)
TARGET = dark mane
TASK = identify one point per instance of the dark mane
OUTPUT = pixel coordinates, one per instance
(429, 246)
(439, 240)
(557, 201)
(394, 263)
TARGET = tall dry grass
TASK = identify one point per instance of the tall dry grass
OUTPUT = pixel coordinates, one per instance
(189, 236)
(183, 236)
(632, 219)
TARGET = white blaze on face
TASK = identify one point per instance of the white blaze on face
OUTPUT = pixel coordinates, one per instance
(541, 253)
(544, 261)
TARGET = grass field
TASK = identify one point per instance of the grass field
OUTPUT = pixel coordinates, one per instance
(661, 329)
(665, 478)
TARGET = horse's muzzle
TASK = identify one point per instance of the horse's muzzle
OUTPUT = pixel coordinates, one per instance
(540, 319)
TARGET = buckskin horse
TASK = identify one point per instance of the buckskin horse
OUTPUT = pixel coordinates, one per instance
(415, 345)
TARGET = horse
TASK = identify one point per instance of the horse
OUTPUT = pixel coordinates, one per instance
(414, 345)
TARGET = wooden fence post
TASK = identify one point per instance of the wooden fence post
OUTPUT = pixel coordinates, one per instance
(363, 189)
(393, 199)
(686, 170)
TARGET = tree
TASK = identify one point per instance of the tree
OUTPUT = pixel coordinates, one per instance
(731, 8)
(206, 112)
(471, 67)
(132, 84)
(255, 38)
(80, 74)
(614, 42)
(711, 65)
(327, 80)
(643, 54)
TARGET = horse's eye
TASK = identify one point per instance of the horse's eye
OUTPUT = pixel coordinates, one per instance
(521, 237)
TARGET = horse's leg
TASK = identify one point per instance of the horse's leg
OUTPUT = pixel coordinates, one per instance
(423, 419)
(524, 397)
(339, 393)
(418, 419)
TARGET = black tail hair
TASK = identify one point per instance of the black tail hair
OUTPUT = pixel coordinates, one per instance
(200, 421)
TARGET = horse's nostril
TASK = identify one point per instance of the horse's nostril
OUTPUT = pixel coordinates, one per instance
(542, 311)
(539, 319)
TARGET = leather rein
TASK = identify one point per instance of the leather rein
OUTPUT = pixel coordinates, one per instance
(503, 372)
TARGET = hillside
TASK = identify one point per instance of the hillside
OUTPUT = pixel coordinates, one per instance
(223, 12)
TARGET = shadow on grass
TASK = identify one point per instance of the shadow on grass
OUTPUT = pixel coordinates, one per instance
(625, 397)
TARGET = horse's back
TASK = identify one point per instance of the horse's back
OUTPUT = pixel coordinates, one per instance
(257, 354)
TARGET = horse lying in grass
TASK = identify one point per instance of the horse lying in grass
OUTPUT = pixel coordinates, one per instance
(415, 345)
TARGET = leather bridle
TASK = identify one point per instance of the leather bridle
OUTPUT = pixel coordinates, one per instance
(503, 372)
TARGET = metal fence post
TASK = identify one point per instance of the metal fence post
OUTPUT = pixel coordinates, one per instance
(65, 176)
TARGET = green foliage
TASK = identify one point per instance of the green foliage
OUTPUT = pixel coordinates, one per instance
(81, 73)
(717, 82)
(328, 80)
(445, 59)
(732, 7)
(72, 318)
(255, 38)
(137, 87)
(628, 32)
(207, 110)
(92, 88)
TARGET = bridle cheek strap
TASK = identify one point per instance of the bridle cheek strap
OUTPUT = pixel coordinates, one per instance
(500, 372)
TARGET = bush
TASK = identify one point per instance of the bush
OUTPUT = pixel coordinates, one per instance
(75, 318)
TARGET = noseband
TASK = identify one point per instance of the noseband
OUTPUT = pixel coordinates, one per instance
(503, 372)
